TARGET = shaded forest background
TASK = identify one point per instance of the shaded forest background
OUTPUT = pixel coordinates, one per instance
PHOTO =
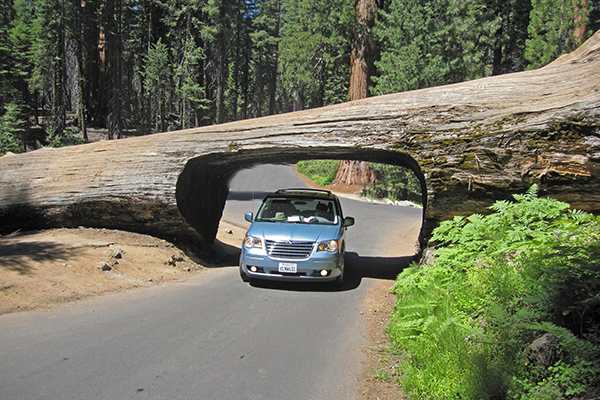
(145, 66)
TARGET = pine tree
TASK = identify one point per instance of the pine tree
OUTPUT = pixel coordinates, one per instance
(411, 58)
(236, 64)
(15, 67)
(512, 18)
(552, 29)
(50, 55)
(147, 24)
(77, 21)
(15, 53)
(6, 66)
(314, 50)
(184, 23)
(265, 39)
(216, 32)
(157, 82)
(434, 42)
(89, 41)
(115, 39)
(191, 101)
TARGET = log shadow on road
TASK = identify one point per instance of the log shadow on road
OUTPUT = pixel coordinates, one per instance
(386, 268)
(357, 268)
(246, 196)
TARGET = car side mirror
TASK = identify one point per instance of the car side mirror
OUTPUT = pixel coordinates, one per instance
(249, 216)
(348, 221)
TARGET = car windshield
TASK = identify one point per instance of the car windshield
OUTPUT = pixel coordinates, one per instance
(298, 210)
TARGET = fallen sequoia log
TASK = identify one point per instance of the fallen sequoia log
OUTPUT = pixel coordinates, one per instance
(470, 144)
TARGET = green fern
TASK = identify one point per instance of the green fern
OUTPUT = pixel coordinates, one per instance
(498, 282)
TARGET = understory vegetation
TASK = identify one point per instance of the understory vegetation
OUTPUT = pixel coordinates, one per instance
(509, 308)
(14, 131)
(12, 128)
(393, 182)
(321, 172)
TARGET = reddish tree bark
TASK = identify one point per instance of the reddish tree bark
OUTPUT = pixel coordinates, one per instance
(359, 172)
(366, 14)
(354, 173)
(580, 24)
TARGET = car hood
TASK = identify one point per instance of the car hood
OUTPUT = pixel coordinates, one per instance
(294, 232)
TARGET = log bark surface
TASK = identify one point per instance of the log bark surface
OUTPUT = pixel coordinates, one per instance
(471, 144)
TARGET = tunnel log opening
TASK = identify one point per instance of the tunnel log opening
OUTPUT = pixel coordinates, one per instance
(203, 185)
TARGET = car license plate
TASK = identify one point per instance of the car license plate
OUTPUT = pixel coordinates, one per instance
(288, 267)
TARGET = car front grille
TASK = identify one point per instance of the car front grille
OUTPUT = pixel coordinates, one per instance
(289, 249)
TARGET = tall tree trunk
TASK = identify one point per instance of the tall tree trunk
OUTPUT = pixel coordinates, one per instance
(222, 67)
(258, 101)
(354, 173)
(581, 15)
(102, 88)
(273, 67)
(236, 66)
(59, 107)
(359, 172)
(358, 75)
(81, 114)
(92, 42)
(366, 15)
(114, 54)
(498, 42)
(246, 78)
(78, 34)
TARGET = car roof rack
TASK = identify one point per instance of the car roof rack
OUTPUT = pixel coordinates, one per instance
(291, 190)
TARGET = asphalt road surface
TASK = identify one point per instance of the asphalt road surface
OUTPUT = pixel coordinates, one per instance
(212, 337)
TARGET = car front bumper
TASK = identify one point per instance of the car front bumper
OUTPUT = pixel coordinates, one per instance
(306, 270)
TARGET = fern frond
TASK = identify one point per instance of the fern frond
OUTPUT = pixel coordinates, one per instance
(500, 206)
(533, 191)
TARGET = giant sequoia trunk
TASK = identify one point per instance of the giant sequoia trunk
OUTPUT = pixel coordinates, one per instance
(361, 60)
(352, 172)
(470, 144)
(580, 21)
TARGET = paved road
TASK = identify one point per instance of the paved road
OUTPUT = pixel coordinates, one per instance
(212, 337)
(380, 231)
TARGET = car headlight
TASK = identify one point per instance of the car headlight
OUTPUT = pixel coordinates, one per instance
(252, 241)
(329, 245)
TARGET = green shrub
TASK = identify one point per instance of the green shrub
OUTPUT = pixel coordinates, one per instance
(64, 138)
(465, 321)
(395, 183)
(322, 172)
(13, 126)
